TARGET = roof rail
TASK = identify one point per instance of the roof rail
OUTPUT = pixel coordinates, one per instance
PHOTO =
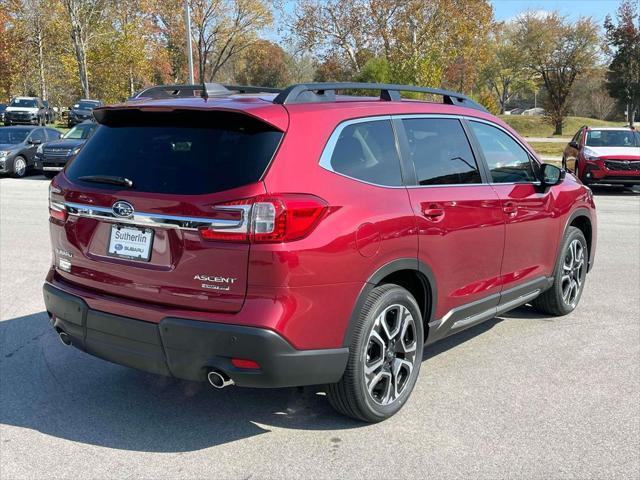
(325, 92)
(251, 89)
(182, 91)
(204, 90)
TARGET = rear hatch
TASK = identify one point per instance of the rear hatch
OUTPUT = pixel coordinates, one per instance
(142, 191)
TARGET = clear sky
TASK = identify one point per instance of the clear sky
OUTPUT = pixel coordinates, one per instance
(598, 9)
(507, 9)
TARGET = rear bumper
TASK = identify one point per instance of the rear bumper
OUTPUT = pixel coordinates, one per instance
(188, 349)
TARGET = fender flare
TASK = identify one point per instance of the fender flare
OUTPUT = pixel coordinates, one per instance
(579, 212)
(426, 275)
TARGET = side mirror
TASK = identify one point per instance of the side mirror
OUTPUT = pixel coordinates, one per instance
(551, 174)
(574, 145)
(35, 141)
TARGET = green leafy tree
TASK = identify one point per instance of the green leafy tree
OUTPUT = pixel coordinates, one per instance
(557, 51)
(505, 73)
(623, 39)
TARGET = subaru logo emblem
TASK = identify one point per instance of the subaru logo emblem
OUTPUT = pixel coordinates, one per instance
(122, 209)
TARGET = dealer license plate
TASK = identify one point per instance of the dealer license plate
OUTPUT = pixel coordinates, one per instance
(130, 242)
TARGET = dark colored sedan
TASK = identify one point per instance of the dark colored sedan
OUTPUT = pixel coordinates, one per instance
(81, 111)
(52, 157)
(18, 147)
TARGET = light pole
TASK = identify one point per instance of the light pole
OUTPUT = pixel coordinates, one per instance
(187, 21)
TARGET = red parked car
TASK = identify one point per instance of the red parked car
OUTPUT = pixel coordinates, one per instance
(604, 155)
(306, 238)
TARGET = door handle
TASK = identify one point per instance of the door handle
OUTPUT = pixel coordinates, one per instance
(510, 209)
(433, 213)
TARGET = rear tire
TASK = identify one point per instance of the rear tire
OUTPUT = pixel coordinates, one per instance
(569, 276)
(20, 166)
(384, 357)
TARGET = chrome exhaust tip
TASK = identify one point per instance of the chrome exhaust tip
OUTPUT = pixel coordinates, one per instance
(219, 379)
(64, 338)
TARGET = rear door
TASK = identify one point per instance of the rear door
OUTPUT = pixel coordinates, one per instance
(460, 223)
(532, 230)
(139, 238)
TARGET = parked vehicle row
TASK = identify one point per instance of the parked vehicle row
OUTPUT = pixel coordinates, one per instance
(306, 237)
(43, 149)
(18, 147)
(35, 111)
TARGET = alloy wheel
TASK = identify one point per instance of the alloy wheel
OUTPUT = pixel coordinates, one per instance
(390, 355)
(19, 167)
(572, 272)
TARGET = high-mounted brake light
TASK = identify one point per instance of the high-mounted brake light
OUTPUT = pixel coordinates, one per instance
(268, 219)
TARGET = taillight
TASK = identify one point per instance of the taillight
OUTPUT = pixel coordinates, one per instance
(57, 210)
(268, 219)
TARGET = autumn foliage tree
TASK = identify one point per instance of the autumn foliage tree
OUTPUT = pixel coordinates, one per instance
(407, 41)
(557, 51)
(623, 38)
(505, 72)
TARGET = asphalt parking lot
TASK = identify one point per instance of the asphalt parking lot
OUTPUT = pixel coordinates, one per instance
(522, 396)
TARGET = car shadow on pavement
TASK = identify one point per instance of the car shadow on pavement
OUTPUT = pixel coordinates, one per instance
(63, 392)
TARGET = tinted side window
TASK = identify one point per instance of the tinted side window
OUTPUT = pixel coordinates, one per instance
(367, 151)
(440, 152)
(507, 160)
(38, 134)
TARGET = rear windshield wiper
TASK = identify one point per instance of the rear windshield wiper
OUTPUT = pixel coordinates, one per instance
(110, 179)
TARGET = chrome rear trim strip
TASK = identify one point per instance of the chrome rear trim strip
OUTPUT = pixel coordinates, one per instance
(164, 221)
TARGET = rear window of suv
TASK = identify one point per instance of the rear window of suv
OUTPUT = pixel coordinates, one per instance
(182, 152)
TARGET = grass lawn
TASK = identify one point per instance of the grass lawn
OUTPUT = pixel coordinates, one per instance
(548, 149)
(531, 126)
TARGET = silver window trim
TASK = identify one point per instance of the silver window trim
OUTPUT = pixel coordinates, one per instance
(327, 152)
(164, 221)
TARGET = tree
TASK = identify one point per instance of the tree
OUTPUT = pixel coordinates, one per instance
(558, 52)
(264, 64)
(505, 73)
(223, 29)
(421, 42)
(623, 39)
(84, 17)
(336, 27)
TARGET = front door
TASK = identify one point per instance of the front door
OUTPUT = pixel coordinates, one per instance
(531, 231)
(460, 223)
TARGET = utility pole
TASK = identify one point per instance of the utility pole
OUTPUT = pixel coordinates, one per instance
(187, 21)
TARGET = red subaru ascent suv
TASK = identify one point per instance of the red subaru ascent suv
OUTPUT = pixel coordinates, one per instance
(299, 237)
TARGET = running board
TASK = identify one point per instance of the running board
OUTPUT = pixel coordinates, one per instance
(481, 317)
(479, 311)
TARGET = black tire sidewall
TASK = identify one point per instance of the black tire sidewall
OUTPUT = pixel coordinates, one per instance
(403, 297)
(572, 234)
